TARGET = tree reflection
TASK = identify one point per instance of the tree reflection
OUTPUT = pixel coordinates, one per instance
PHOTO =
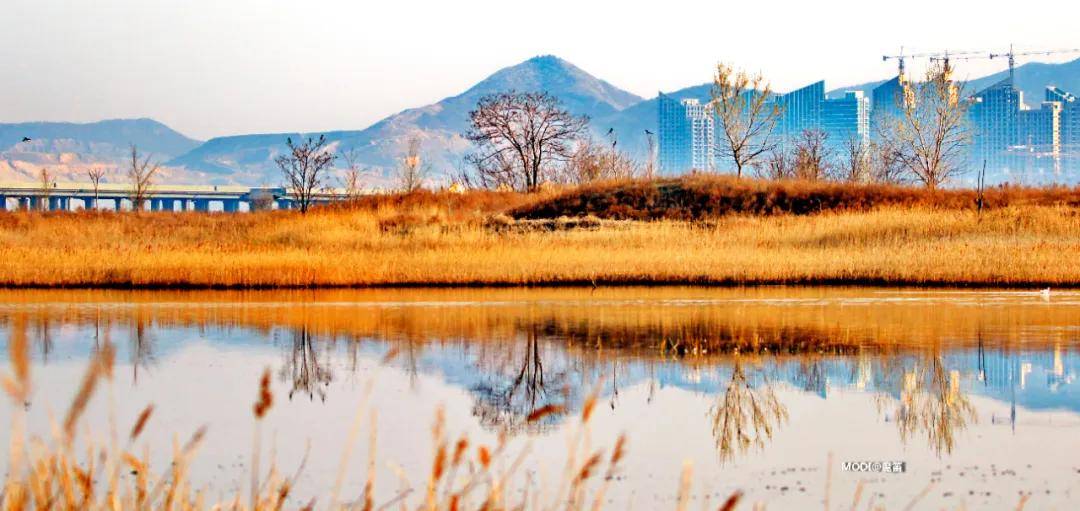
(502, 404)
(931, 402)
(745, 415)
(303, 367)
(142, 345)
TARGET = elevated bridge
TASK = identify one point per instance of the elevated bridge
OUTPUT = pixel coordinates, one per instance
(117, 196)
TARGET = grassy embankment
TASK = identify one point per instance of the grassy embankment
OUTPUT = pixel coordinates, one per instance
(697, 230)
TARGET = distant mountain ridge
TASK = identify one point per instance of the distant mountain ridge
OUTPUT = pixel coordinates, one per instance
(68, 149)
(439, 126)
(248, 159)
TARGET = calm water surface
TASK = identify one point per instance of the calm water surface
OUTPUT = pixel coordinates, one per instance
(975, 390)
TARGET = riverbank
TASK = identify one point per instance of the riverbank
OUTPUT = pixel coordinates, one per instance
(1015, 246)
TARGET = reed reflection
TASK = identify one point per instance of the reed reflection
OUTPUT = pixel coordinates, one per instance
(515, 357)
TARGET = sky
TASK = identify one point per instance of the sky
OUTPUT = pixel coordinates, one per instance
(225, 67)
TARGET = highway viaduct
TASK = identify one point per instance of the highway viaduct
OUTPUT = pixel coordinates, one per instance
(116, 196)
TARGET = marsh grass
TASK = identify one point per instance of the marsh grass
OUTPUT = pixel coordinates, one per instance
(56, 475)
(1019, 244)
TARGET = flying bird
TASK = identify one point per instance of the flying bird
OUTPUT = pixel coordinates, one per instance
(610, 131)
(26, 139)
(647, 132)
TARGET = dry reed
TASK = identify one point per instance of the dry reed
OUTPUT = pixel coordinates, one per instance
(863, 235)
(57, 477)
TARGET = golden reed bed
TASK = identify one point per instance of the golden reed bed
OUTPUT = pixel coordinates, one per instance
(865, 235)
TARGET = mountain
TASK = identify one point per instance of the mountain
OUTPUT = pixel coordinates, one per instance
(68, 149)
(1032, 78)
(438, 126)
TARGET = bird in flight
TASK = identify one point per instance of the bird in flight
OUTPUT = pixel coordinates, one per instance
(26, 139)
(610, 131)
(647, 132)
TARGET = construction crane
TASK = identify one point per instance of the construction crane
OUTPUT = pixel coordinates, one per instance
(948, 57)
(1012, 57)
(943, 56)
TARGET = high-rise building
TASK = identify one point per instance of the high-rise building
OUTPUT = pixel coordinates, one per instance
(886, 102)
(1069, 127)
(1039, 129)
(846, 118)
(800, 110)
(995, 114)
(686, 138)
(1037, 153)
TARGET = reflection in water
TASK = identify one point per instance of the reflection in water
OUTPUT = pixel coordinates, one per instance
(515, 386)
(142, 345)
(745, 415)
(303, 369)
(514, 352)
(931, 403)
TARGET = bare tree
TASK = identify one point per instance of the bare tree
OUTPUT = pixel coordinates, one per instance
(352, 180)
(140, 174)
(95, 174)
(304, 167)
(592, 162)
(931, 135)
(650, 158)
(885, 164)
(521, 138)
(47, 182)
(746, 116)
(411, 170)
(777, 165)
(854, 165)
(812, 159)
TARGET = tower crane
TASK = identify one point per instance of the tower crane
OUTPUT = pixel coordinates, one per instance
(1012, 56)
(943, 56)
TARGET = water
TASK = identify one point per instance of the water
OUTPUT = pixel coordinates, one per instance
(975, 391)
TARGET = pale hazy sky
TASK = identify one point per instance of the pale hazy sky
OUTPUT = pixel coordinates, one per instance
(222, 67)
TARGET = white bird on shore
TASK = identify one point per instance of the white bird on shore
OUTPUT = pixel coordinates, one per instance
(1045, 294)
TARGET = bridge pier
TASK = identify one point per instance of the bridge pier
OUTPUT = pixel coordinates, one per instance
(202, 205)
(230, 205)
(58, 203)
(3, 203)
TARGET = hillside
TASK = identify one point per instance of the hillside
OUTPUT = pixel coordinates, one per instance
(68, 149)
(439, 126)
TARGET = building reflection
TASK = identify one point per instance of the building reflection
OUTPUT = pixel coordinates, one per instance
(513, 359)
(931, 403)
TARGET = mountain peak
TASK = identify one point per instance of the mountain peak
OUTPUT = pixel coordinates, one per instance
(558, 77)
